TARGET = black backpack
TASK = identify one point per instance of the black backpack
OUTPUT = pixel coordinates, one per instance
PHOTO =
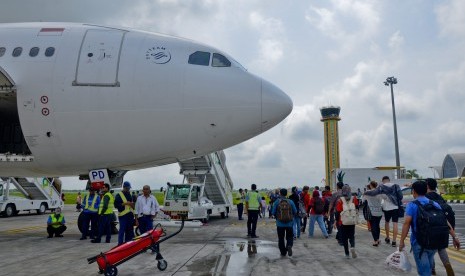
(450, 214)
(319, 206)
(284, 211)
(432, 231)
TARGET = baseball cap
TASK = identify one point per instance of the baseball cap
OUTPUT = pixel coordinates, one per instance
(126, 184)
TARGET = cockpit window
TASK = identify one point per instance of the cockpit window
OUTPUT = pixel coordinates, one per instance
(220, 61)
(49, 51)
(200, 58)
(2, 51)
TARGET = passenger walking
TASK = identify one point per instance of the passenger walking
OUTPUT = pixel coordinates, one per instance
(240, 205)
(284, 211)
(296, 227)
(146, 210)
(346, 206)
(392, 199)
(56, 224)
(263, 206)
(327, 218)
(252, 203)
(317, 206)
(305, 198)
(432, 194)
(105, 212)
(424, 257)
(375, 209)
(90, 215)
(333, 212)
(125, 206)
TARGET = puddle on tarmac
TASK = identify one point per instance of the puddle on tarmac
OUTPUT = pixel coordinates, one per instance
(237, 258)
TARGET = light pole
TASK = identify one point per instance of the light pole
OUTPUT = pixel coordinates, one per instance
(391, 81)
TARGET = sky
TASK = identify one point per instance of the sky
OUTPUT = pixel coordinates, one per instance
(331, 52)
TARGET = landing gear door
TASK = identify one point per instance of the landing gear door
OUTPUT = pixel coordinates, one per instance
(99, 56)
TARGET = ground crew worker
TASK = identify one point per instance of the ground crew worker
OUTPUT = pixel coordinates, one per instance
(105, 212)
(146, 210)
(125, 206)
(252, 199)
(90, 214)
(56, 224)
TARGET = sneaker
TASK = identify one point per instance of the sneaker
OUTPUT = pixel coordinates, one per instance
(254, 237)
(83, 238)
(393, 244)
(289, 251)
(347, 257)
(59, 236)
(95, 241)
(387, 240)
(49, 237)
(354, 254)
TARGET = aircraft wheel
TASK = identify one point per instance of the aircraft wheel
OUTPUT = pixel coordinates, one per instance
(223, 215)
(111, 271)
(79, 221)
(162, 265)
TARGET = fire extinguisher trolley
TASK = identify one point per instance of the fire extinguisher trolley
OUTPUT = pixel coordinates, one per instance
(108, 261)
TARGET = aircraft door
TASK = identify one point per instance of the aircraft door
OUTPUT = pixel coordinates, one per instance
(98, 62)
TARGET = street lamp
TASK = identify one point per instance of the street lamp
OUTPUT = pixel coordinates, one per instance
(391, 81)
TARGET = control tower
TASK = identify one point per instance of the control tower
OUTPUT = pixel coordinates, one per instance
(330, 118)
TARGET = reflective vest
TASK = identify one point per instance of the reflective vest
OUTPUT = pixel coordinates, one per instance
(127, 209)
(92, 205)
(111, 204)
(253, 200)
(55, 219)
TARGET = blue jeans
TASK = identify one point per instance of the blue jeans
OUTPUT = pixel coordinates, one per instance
(145, 224)
(126, 228)
(425, 262)
(296, 226)
(311, 226)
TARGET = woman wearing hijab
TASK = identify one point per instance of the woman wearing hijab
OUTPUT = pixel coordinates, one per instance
(347, 203)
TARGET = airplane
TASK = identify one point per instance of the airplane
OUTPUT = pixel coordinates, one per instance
(77, 97)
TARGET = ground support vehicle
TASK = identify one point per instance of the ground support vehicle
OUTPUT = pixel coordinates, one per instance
(205, 191)
(38, 197)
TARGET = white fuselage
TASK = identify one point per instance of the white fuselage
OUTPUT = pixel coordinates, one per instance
(124, 99)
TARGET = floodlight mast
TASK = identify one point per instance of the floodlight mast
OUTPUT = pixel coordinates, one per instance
(389, 82)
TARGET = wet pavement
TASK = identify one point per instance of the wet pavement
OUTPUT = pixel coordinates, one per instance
(219, 248)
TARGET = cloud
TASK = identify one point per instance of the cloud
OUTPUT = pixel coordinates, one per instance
(349, 23)
(396, 41)
(451, 18)
(303, 124)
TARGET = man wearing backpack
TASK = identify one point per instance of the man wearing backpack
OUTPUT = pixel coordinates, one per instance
(429, 226)
(253, 200)
(296, 227)
(284, 211)
(450, 216)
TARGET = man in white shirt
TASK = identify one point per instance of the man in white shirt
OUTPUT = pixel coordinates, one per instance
(146, 209)
(392, 195)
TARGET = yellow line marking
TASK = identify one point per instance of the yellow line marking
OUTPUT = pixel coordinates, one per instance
(453, 253)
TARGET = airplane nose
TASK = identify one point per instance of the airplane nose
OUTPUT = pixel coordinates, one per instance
(276, 105)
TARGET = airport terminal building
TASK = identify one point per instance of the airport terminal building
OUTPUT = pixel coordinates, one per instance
(453, 166)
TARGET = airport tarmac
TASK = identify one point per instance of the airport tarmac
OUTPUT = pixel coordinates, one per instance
(219, 248)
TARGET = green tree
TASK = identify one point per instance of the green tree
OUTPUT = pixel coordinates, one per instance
(411, 174)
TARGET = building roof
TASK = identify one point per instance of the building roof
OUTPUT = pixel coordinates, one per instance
(453, 165)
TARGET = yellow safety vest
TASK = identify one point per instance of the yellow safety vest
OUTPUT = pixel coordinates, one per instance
(55, 219)
(111, 204)
(253, 200)
(127, 209)
(92, 205)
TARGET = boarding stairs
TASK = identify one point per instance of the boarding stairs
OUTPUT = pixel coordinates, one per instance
(30, 190)
(210, 170)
